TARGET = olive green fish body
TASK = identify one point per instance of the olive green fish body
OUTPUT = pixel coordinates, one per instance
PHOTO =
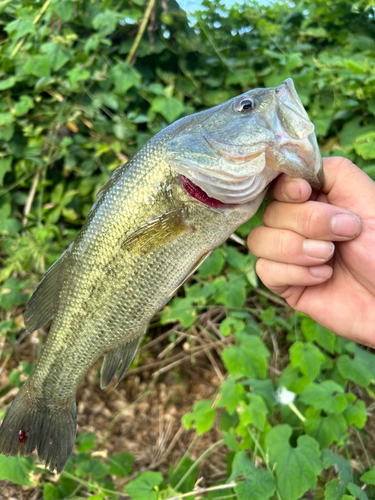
(154, 222)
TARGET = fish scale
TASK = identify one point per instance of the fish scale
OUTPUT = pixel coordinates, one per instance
(144, 236)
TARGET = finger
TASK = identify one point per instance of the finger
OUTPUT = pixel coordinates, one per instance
(286, 246)
(289, 189)
(278, 277)
(313, 220)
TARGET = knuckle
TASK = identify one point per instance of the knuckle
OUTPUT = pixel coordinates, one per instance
(282, 245)
(308, 219)
(253, 240)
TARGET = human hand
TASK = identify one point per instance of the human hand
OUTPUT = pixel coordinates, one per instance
(332, 283)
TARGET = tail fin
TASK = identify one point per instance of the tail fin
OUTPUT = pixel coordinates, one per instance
(29, 424)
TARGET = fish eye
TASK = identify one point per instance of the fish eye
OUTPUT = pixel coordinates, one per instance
(243, 105)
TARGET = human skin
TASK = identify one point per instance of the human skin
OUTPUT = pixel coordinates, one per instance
(317, 249)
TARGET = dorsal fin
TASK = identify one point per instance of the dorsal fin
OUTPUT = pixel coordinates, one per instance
(42, 305)
(112, 359)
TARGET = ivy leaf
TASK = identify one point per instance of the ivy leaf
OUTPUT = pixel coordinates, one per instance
(119, 464)
(254, 413)
(297, 468)
(125, 77)
(213, 265)
(201, 418)
(324, 428)
(356, 491)
(37, 65)
(143, 487)
(56, 54)
(85, 441)
(249, 360)
(364, 145)
(23, 105)
(180, 309)
(307, 357)
(50, 492)
(232, 294)
(314, 332)
(11, 294)
(356, 414)
(169, 108)
(64, 9)
(95, 468)
(21, 27)
(235, 258)
(77, 74)
(258, 484)
(336, 488)
(230, 395)
(16, 469)
(327, 396)
(5, 167)
(369, 476)
(230, 325)
(8, 82)
(106, 22)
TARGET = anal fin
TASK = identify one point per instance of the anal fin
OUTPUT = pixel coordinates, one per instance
(125, 354)
(42, 305)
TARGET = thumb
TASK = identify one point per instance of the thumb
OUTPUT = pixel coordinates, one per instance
(347, 186)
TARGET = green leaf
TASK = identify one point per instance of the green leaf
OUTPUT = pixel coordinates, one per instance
(326, 429)
(170, 108)
(77, 74)
(23, 105)
(296, 469)
(16, 469)
(230, 395)
(11, 294)
(249, 360)
(64, 9)
(327, 396)
(232, 294)
(356, 414)
(8, 82)
(358, 493)
(119, 464)
(91, 466)
(50, 492)
(106, 22)
(254, 413)
(125, 77)
(356, 370)
(307, 357)
(21, 27)
(5, 167)
(37, 65)
(258, 484)
(364, 145)
(230, 325)
(85, 441)
(143, 487)
(369, 476)
(235, 258)
(180, 309)
(177, 472)
(6, 118)
(314, 332)
(202, 417)
(56, 54)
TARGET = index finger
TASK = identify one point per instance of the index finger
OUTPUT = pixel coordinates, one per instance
(289, 189)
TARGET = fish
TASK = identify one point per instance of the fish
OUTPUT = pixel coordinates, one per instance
(153, 223)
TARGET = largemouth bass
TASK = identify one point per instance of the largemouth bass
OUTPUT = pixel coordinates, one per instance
(154, 222)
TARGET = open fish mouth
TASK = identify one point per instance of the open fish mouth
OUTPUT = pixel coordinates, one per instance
(233, 157)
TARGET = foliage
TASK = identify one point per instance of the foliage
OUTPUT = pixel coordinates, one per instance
(73, 108)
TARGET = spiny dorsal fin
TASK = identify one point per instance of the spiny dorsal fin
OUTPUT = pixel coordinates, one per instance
(112, 359)
(158, 231)
(42, 305)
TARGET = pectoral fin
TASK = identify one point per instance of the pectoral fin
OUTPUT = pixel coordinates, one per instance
(112, 359)
(43, 304)
(157, 232)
